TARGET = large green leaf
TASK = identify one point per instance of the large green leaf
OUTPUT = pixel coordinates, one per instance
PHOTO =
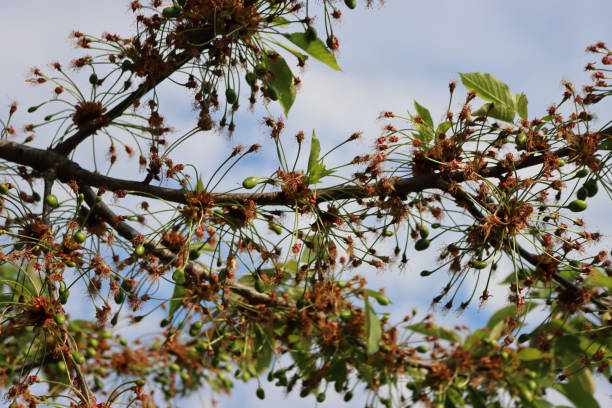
(315, 49)
(521, 105)
(489, 88)
(574, 392)
(423, 112)
(496, 111)
(282, 79)
(315, 150)
(530, 353)
(372, 329)
(434, 330)
(177, 298)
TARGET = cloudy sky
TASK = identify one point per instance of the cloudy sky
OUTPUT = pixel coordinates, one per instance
(390, 56)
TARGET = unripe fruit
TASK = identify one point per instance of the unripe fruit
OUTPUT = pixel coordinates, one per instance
(231, 96)
(479, 265)
(51, 200)
(70, 264)
(582, 173)
(351, 4)
(523, 338)
(321, 397)
(106, 334)
(174, 367)
(388, 233)
(581, 193)
(521, 139)
(60, 319)
(560, 162)
(591, 187)
(4, 189)
(61, 366)
(260, 285)
(140, 382)
(311, 34)
(276, 228)
(424, 231)
(194, 254)
(422, 349)
(185, 376)
(91, 351)
(250, 78)
(195, 328)
(272, 93)
(171, 12)
(139, 250)
(577, 206)
(77, 357)
(80, 237)
(426, 273)
(261, 394)
(348, 396)
(422, 244)
(165, 321)
(250, 182)
(179, 276)
(93, 79)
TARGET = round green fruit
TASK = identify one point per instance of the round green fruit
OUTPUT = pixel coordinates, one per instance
(320, 397)
(77, 357)
(139, 250)
(231, 96)
(591, 187)
(422, 349)
(60, 319)
(4, 189)
(479, 265)
(261, 394)
(250, 182)
(250, 78)
(171, 12)
(260, 286)
(581, 193)
(422, 244)
(577, 206)
(51, 200)
(423, 231)
(348, 396)
(521, 139)
(174, 367)
(93, 79)
(80, 237)
(351, 4)
(583, 172)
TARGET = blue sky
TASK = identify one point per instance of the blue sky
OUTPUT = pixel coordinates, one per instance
(390, 56)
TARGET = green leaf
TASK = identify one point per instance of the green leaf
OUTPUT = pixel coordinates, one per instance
(443, 127)
(574, 392)
(586, 381)
(597, 278)
(489, 88)
(372, 329)
(295, 52)
(496, 111)
(316, 49)
(315, 150)
(433, 330)
(530, 353)
(282, 79)
(521, 105)
(507, 312)
(264, 347)
(423, 112)
(380, 298)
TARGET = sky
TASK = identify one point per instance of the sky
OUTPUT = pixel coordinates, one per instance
(390, 56)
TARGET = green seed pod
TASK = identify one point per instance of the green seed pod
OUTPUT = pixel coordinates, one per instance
(51, 200)
(577, 206)
(479, 265)
(77, 357)
(32, 109)
(388, 233)
(250, 78)
(426, 273)
(171, 12)
(260, 286)
(583, 172)
(276, 228)
(261, 394)
(139, 250)
(423, 231)
(4, 189)
(348, 396)
(436, 225)
(521, 139)
(59, 318)
(351, 4)
(179, 276)
(422, 244)
(250, 182)
(591, 187)
(581, 193)
(231, 96)
(311, 34)
(422, 349)
(70, 264)
(80, 237)
(272, 93)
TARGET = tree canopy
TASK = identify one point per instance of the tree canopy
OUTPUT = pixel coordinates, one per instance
(105, 228)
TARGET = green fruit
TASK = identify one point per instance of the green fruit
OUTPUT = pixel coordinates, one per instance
(261, 394)
(388, 233)
(70, 264)
(174, 367)
(426, 273)
(139, 250)
(479, 265)
(351, 4)
(230, 96)
(91, 351)
(250, 78)
(77, 357)
(560, 162)
(321, 397)
(422, 244)
(250, 182)
(123, 342)
(93, 79)
(63, 295)
(119, 298)
(140, 382)
(80, 237)
(93, 342)
(577, 206)
(4, 189)
(521, 139)
(575, 264)
(171, 12)
(272, 93)
(423, 231)
(165, 321)
(276, 228)
(179, 276)
(51, 200)
(59, 319)
(260, 286)
(106, 334)
(311, 34)
(194, 254)
(348, 396)
(581, 194)
(61, 366)
(185, 376)
(523, 338)
(583, 172)
(195, 328)
(591, 187)
(422, 349)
